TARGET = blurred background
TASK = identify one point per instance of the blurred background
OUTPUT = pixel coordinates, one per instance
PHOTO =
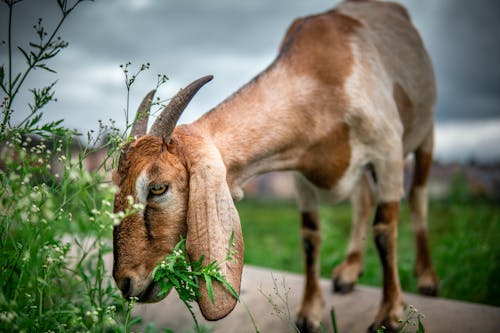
(234, 41)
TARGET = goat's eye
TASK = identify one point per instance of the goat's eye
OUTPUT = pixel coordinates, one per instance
(158, 189)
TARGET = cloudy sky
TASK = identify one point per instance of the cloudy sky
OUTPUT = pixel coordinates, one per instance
(234, 40)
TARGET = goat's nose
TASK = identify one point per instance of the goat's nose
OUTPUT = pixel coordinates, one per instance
(125, 286)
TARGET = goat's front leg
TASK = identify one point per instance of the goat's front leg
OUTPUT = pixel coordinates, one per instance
(311, 308)
(385, 233)
(389, 182)
(347, 273)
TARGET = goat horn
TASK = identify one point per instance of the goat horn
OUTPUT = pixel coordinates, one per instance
(166, 121)
(140, 126)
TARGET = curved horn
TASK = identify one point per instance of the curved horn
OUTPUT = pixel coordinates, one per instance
(140, 126)
(166, 121)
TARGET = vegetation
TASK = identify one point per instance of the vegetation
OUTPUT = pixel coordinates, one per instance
(176, 271)
(55, 217)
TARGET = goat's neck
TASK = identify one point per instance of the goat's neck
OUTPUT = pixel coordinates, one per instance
(254, 129)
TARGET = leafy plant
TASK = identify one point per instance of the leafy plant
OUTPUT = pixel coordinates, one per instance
(36, 55)
(55, 217)
(177, 272)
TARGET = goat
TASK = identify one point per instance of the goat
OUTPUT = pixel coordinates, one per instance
(350, 94)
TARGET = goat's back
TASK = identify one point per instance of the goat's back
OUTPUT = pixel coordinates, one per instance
(371, 49)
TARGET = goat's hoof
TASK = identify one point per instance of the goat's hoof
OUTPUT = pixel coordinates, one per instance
(384, 327)
(342, 287)
(304, 325)
(429, 290)
(346, 274)
(428, 283)
(389, 316)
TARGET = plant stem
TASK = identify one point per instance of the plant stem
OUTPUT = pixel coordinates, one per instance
(10, 49)
(196, 325)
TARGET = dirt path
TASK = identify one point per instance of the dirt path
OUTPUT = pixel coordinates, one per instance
(354, 311)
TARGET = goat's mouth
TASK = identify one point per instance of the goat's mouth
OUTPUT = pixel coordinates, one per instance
(150, 294)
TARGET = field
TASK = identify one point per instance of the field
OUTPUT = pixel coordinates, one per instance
(464, 240)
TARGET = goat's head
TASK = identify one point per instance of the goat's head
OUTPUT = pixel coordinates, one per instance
(180, 179)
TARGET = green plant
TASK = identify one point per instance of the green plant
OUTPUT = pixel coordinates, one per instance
(280, 302)
(177, 272)
(46, 46)
(55, 217)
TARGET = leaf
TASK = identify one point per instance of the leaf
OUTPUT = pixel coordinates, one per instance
(188, 280)
(156, 274)
(25, 54)
(198, 263)
(165, 290)
(171, 264)
(45, 67)
(334, 320)
(35, 46)
(174, 281)
(208, 281)
(420, 326)
(16, 79)
(230, 252)
(135, 321)
(230, 288)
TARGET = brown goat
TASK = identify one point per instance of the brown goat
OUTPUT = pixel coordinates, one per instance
(350, 94)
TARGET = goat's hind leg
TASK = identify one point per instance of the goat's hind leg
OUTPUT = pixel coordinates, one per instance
(346, 274)
(428, 281)
(311, 308)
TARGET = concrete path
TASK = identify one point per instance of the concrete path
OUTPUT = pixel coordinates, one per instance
(354, 312)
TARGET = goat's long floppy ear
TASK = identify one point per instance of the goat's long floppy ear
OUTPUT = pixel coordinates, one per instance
(140, 126)
(166, 121)
(212, 219)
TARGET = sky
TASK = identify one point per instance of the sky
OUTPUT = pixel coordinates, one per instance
(234, 41)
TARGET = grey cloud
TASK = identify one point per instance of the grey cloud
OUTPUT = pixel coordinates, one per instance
(234, 40)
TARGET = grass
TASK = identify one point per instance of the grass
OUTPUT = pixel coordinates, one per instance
(463, 237)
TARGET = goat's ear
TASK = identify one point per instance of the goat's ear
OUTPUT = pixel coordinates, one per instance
(213, 223)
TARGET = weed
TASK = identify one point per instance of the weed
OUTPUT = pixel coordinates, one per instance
(176, 271)
(55, 217)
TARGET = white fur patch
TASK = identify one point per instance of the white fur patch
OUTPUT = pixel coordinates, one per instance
(376, 128)
(141, 187)
(419, 212)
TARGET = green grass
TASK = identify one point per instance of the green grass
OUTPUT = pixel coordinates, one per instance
(464, 239)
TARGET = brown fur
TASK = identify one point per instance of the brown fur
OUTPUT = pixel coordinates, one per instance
(423, 163)
(312, 300)
(385, 233)
(321, 108)
(310, 220)
(405, 107)
(324, 162)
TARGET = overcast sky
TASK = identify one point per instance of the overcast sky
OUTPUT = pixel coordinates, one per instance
(235, 40)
